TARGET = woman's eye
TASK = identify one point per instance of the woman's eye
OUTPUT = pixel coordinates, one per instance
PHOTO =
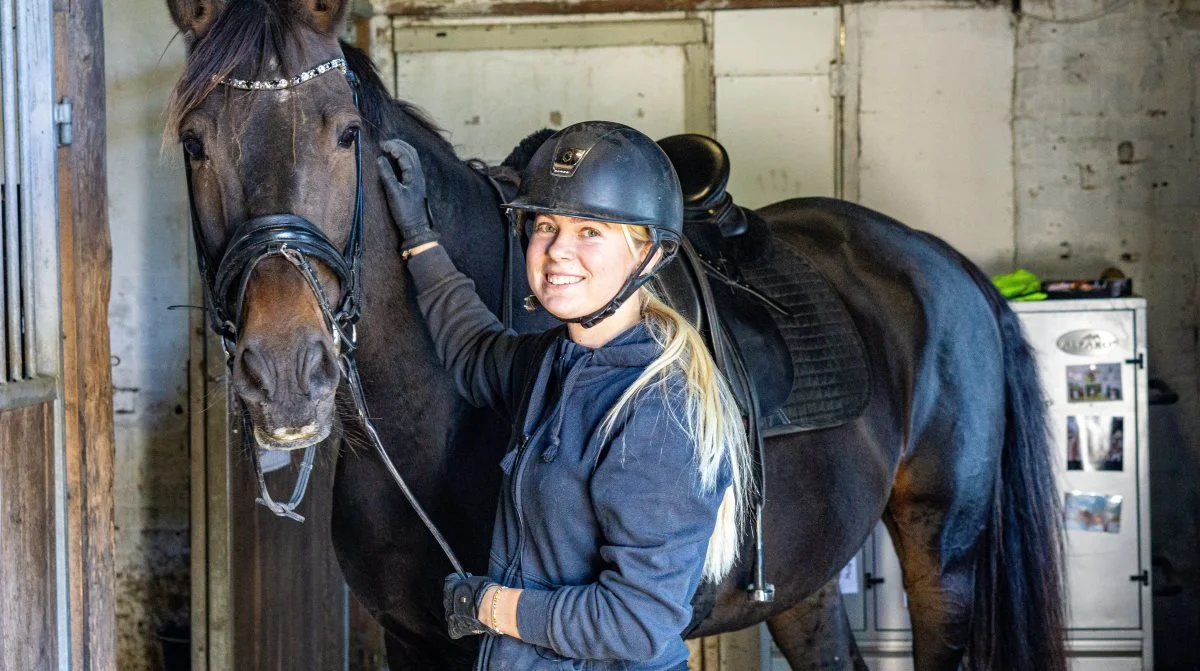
(591, 233)
(348, 136)
(544, 227)
(193, 147)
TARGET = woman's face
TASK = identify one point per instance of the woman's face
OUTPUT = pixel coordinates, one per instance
(576, 266)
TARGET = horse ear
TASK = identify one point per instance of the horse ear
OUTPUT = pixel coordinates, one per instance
(195, 17)
(325, 16)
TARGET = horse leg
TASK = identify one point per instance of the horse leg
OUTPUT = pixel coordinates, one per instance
(938, 518)
(815, 633)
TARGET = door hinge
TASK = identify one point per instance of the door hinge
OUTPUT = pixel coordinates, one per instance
(1143, 577)
(63, 120)
(1139, 360)
(871, 580)
(837, 79)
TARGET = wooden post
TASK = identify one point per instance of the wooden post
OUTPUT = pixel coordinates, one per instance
(85, 275)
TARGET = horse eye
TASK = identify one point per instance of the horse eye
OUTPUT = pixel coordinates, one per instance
(193, 147)
(348, 136)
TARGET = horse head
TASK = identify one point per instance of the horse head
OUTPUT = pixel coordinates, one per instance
(266, 116)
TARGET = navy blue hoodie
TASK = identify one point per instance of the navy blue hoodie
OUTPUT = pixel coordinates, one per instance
(606, 533)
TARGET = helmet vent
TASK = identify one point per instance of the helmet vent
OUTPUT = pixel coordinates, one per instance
(566, 161)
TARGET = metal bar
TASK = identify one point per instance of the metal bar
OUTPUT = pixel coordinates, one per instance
(12, 227)
(32, 41)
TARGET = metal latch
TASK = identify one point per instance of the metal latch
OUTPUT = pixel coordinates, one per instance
(1143, 577)
(1139, 361)
(871, 581)
(63, 119)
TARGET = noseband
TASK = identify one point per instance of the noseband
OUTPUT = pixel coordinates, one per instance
(288, 235)
(296, 239)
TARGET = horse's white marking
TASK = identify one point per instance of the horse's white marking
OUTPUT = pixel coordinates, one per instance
(289, 438)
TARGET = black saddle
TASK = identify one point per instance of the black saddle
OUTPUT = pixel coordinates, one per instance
(775, 326)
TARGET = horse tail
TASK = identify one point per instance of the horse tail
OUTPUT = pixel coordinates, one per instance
(1019, 618)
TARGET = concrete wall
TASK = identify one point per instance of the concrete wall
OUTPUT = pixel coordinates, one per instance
(149, 343)
(1105, 175)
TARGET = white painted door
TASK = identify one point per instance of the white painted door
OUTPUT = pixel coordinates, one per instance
(490, 85)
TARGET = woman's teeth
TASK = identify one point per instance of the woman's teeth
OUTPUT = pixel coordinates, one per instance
(558, 280)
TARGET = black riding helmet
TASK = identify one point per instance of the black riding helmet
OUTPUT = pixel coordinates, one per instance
(604, 171)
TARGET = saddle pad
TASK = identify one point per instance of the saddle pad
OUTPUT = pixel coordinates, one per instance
(831, 382)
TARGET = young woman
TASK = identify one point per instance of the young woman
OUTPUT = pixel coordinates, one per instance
(627, 450)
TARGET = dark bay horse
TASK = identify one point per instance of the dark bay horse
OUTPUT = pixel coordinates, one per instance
(951, 451)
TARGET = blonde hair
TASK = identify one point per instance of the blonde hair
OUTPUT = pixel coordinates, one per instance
(710, 415)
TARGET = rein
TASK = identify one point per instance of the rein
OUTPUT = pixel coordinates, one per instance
(298, 240)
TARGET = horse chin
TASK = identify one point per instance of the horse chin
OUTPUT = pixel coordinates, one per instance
(286, 440)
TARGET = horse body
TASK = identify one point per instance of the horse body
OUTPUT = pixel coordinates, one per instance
(938, 453)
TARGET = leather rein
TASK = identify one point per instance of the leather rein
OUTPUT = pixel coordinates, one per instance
(300, 242)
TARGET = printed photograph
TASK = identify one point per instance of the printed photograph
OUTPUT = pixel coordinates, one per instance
(1091, 511)
(1090, 383)
(1095, 443)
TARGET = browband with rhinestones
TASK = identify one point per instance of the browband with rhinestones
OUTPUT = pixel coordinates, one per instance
(280, 84)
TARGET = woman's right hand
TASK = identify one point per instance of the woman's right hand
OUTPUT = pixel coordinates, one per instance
(404, 184)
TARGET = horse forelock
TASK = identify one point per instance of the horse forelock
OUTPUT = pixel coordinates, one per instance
(261, 39)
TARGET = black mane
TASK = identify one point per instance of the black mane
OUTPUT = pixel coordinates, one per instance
(523, 152)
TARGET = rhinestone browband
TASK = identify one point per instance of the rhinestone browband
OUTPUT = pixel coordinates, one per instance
(280, 84)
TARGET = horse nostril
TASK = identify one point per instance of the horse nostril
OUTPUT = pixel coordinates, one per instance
(318, 368)
(258, 371)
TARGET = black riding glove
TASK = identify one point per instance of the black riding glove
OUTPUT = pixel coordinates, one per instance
(404, 184)
(461, 598)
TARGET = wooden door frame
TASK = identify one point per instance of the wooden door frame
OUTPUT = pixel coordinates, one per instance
(85, 253)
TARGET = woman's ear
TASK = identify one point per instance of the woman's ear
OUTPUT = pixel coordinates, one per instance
(658, 256)
(194, 17)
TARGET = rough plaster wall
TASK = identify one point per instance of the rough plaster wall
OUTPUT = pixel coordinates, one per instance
(1105, 157)
(149, 343)
(934, 123)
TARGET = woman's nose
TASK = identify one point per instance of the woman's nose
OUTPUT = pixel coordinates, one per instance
(561, 247)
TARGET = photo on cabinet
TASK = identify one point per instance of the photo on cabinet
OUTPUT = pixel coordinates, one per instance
(1091, 511)
(1094, 382)
(1095, 443)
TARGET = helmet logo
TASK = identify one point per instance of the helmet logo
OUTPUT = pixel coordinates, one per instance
(566, 161)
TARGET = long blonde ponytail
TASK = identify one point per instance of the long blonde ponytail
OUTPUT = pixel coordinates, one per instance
(710, 415)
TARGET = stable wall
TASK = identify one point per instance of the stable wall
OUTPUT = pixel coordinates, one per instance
(150, 271)
(1105, 158)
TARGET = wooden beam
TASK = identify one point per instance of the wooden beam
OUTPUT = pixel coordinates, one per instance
(431, 8)
(85, 275)
(27, 617)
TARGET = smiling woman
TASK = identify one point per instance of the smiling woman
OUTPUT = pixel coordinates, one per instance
(643, 468)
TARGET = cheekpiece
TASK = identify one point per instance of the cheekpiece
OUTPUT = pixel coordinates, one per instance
(280, 84)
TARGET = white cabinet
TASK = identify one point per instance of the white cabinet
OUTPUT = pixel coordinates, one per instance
(1092, 356)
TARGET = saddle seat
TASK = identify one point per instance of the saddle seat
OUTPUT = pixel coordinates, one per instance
(703, 168)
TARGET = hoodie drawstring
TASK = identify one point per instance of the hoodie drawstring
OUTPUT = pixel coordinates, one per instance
(551, 452)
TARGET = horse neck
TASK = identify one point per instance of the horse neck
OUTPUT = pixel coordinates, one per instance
(467, 217)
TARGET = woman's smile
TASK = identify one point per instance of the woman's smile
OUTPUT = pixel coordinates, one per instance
(562, 281)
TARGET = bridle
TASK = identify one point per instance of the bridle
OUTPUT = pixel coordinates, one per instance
(299, 241)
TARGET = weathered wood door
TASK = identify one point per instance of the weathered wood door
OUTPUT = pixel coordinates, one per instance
(56, 530)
